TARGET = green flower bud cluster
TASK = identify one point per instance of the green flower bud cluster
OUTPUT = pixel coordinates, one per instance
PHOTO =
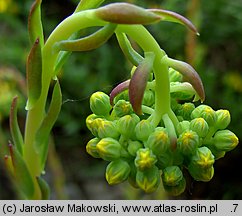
(145, 155)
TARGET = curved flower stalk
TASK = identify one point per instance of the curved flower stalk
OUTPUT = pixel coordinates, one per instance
(144, 128)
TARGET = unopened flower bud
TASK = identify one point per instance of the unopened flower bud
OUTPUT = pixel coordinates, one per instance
(200, 126)
(143, 129)
(176, 190)
(109, 149)
(133, 147)
(223, 119)
(188, 142)
(91, 147)
(149, 98)
(107, 129)
(148, 180)
(122, 96)
(206, 112)
(203, 158)
(158, 141)
(183, 126)
(186, 110)
(126, 125)
(122, 108)
(225, 140)
(117, 171)
(100, 104)
(172, 176)
(174, 75)
(164, 160)
(145, 159)
(92, 122)
(201, 174)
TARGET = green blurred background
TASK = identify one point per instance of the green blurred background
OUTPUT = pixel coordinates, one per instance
(71, 172)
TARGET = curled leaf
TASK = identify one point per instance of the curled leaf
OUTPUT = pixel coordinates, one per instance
(34, 23)
(124, 13)
(42, 135)
(90, 42)
(21, 173)
(118, 89)
(174, 17)
(34, 74)
(14, 127)
(134, 57)
(87, 4)
(189, 74)
(139, 81)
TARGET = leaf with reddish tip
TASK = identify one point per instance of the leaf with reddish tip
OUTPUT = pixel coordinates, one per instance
(21, 173)
(174, 17)
(14, 127)
(87, 4)
(134, 57)
(124, 13)
(139, 81)
(34, 23)
(90, 42)
(189, 74)
(34, 75)
(118, 89)
(9, 164)
(42, 135)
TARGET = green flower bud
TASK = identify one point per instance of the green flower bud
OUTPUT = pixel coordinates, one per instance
(92, 122)
(122, 96)
(149, 98)
(107, 129)
(176, 190)
(122, 108)
(145, 159)
(132, 175)
(201, 174)
(206, 112)
(100, 104)
(172, 176)
(109, 149)
(126, 125)
(182, 91)
(203, 158)
(143, 130)
(183, 126)
(117, 171)
(188, 142)
(225, 140)
(91, 147)
(158, 141)
(164, 160)
(174, 75)
(200, 126)
(216, 153)
(133, 147)
(223, 119)
(185, 110)
(148, 180)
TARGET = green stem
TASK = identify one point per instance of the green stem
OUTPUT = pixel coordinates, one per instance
(162, 87)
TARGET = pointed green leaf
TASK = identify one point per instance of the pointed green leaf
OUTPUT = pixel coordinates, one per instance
(124, 13)
(189, 74)
(21, 173)
(34, 73)
(14, 127)
(87, 4)
(42, 135)
(174, 17)
(139, 81)
(134, 57)
(118, 89)
(9, 165)
(44, 188)
(34, 23)
(90, 42)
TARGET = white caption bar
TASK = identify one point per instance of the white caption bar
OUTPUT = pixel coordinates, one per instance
(122, 207)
